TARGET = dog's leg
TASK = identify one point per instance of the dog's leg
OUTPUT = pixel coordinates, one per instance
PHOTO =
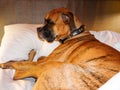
(26, 69)
(31, 55)
(23, 69)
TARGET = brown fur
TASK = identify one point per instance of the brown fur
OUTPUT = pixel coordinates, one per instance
(80, 63)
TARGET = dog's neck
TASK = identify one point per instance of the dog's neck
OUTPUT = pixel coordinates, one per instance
(77, 31)
(73, 33)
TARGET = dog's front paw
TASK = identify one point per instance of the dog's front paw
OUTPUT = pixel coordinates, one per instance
(7, 65)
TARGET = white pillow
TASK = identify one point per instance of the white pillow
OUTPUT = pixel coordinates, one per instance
(16, 44)
(19, 39)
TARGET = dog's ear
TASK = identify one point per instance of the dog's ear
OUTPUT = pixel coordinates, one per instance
(67, 17)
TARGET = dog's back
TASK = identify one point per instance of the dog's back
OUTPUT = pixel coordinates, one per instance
(88, 64)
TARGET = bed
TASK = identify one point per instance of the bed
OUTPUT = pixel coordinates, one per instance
(20, 39)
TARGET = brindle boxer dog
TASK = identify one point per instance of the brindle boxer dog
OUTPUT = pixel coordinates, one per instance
(80, 62)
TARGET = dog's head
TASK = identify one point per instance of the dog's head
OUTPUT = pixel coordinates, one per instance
(59, 23)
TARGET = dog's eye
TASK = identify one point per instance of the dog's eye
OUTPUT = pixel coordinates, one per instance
(48, 21)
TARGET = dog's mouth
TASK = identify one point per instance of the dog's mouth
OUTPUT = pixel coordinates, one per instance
(46, 34)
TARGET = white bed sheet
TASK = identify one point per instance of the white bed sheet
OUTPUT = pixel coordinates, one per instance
(108, 37)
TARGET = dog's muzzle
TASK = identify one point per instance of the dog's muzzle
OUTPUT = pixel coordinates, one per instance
(46, 33)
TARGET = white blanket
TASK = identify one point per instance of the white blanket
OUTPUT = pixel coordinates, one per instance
(32, 42)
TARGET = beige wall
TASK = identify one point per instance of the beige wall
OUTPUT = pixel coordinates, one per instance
(96, 14)
(108, 16)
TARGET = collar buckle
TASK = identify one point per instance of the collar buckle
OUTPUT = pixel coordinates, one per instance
(78, 31)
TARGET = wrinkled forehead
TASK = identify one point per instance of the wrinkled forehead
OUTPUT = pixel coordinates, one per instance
(56, 14)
